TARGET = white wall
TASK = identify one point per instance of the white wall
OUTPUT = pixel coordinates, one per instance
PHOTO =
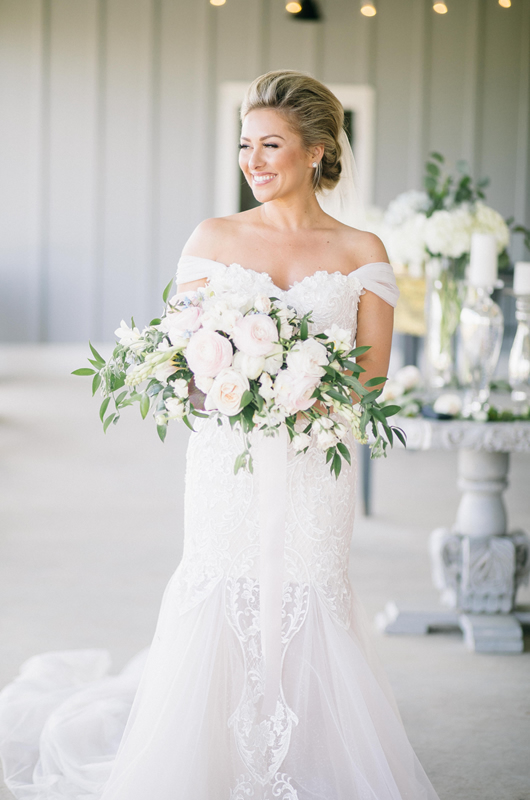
(108, 140)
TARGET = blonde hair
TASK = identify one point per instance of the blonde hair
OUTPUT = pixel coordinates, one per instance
(312, 111)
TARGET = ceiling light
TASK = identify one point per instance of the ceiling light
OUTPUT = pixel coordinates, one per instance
(440, 8)
(304, 9)
(217, 2)
(368, 8)
(505, 3)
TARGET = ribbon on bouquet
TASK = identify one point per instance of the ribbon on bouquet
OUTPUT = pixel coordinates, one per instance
(272, 481)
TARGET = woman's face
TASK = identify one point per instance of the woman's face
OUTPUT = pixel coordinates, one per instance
(273, 158)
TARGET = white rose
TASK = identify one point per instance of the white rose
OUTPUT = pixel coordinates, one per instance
(409, 377)
(227, 391)
(266, 389)
(255, 334)
(180, 387)
(262, 303)
(308, 358)
(301, 441)
(391, 391)
(322, 424)
(326, 439)
(448, 404)
(175, 407)
(293, 391)
(250, 366)
(274, 361)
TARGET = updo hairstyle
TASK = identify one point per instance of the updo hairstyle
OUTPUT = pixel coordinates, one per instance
(312, 111)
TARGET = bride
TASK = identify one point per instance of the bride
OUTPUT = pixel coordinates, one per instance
(224, 705)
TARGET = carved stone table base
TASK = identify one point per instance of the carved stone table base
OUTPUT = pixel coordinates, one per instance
(476, 565)
(483, 633)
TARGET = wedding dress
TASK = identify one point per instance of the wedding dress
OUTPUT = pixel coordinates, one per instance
(197, 730)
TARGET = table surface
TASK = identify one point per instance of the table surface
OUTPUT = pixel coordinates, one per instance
(457, 434)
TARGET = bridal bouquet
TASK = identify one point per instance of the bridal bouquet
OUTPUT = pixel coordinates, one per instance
(251, 359)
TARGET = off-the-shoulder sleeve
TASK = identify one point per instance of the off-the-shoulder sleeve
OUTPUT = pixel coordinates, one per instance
(193, 268)
(379, 279)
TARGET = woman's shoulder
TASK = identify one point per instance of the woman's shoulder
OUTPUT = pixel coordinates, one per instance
(363, 247)
(208, 237)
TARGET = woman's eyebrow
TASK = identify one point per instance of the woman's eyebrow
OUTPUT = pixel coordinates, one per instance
(269, 136)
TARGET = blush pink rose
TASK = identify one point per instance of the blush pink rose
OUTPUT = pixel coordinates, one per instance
(227, 392)
(208, 353)
(189, 319)
(293, 392)
(255, 334)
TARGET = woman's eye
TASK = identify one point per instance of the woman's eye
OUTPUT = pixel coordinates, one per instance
(271, 145)
(243, 146)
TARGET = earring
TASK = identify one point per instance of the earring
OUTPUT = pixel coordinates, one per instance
(315, 164)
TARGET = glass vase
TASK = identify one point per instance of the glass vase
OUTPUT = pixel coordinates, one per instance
(519, 362)
(479, 345)
(444, 297)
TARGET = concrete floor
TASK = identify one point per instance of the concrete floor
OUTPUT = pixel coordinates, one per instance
(91, 530)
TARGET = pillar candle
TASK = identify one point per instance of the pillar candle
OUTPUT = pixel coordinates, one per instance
(521, 278)
(483, 260)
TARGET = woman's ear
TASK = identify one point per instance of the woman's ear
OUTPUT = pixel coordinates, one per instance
(317, 152)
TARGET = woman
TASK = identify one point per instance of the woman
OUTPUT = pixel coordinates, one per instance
(228, 706)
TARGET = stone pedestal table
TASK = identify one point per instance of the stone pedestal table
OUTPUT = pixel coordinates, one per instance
(477, 564)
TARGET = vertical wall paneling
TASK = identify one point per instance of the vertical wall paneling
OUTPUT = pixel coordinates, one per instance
(44, 183)
(20, 129)
(500, 96)
(71, 167)
(392, 97)
(419, 75)
(522, 177)
(345, 43)
(471, 81)
(127, 162)
(154, 187)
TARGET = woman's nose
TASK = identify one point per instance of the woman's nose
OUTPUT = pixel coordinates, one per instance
(256, 158)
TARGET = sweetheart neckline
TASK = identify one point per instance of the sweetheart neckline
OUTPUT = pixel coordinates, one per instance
(296, 283)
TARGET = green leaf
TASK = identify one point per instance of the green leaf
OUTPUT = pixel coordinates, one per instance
(119, 400)
(154, 389)
(144, 405)
(84, 371)
(344, 452)
(107, 422)
(186, 421)
(303, 329)
(389, 411)
(330, 454)
(103, 408)
(96, 383)
(336, 395)
(99, 358)
(336, 465)
(155, 321)
(375, 381)
(438, 156)
(401, 436)
(165, 293)
(197, 413)
(162, 431)
(370, 397)
(247, 398)
(359, 351)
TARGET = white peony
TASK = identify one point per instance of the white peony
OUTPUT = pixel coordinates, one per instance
(227, 391)
(406, 205)
(180, 387)
(448, 233)
(250, 366)
(294, 391)
(450, 404)
(308, 358)
(409, 377)
(220, 316)
(392, 391)
(406, 244)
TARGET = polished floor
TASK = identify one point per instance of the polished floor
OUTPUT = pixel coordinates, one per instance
(91, 530)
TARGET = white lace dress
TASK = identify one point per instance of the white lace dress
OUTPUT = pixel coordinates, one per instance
(196, 730)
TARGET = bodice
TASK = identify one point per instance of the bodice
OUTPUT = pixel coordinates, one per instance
(332, 297)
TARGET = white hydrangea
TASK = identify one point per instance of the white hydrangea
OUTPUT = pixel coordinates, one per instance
(448, 233)
(405, 205)
(406, 244)
(487, 220)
